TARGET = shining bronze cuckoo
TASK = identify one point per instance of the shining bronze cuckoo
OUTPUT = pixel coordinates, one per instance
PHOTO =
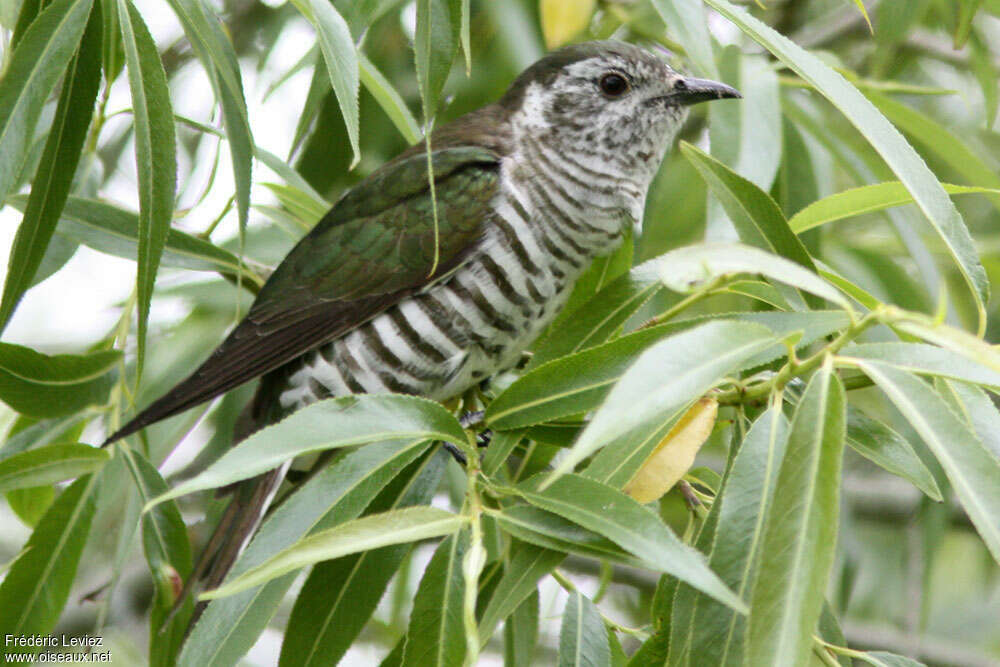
(528, 192)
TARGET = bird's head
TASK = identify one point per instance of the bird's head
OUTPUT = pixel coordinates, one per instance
(612, 100)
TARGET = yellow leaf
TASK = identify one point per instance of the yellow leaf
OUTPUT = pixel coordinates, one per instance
(562, 20)
(675, 454)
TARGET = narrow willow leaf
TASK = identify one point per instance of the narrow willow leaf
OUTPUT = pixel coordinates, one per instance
(501, 446)
(685, 19)
(631, 526)
(341, 58)
(665, 378)
(54, 177)
(114, 231)
(562, 20)
(229, 627)
(800, 530)
(28, 433)
(583, 641)
(39, 61)
(519, 581)
(887, 141)
(717, 633)
(926, 359)
(520, 634)
(986, 72)
(885, 659)
(218, 57)
(687, 268)
(864, 12)
(756, 216)
(571, 385)
(390, 100)
(52, 386)
(941, 141)
(436, 636)
(378, 530)
(36, 587)
(866, 199)
(31, 504)
(960, 342)
(970, 466)
(155, 156)
(554, 533)
(674, 455)
(963, 24)
(888, 449)
(978, 409)
(329, 424)
(289, 175)
(434, 45)
(168, 554)
(49, 465)
(596, 320)
(323, 626)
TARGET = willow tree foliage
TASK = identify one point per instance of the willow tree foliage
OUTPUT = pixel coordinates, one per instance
(764, 432)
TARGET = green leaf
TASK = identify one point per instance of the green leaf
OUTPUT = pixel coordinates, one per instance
(519, 581)
(39, 61)
(971, 468)
(554, 533)
(570, 385)
(218, 59)
(887, 141)
(631, 526)
(168, 553)
(883, 446)
(115, 231)
(960, 342)
(583, 641)
(665, 378)
(322, 626)
(866, 199)
(884, 659)
(31, 504)
(52, 386)
(963, 25)
(378, 530)
(520, 634)
(926, 359)
(755, 214)
(341, 58)
(686, 20)
(978, 410)
(501, 446)
(685, 269)
(717, 634)
(436, 635)
(49, 465)
(329, 424)
(229, 627)
(434, 44)
(54, 177)
(800, 530)
(390, 100)
(155, 156)
(36, 587)
(595, 321)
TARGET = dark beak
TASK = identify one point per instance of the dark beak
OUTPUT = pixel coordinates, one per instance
(689, 91)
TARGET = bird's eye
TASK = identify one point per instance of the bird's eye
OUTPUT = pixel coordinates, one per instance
(613, 85)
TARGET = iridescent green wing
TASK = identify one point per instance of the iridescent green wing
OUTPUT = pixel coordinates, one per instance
(375, 247)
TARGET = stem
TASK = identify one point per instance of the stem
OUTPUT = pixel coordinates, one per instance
(794, 368)
(475, 557)
(703, 292)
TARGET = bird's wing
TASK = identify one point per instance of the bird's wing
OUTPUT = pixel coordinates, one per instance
(373, 248)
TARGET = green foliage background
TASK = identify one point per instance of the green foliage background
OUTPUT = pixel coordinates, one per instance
(845, 508)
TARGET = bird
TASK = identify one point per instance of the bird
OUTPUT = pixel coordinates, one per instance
(410, 289)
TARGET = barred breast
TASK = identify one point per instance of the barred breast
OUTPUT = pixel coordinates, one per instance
(477, 321)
